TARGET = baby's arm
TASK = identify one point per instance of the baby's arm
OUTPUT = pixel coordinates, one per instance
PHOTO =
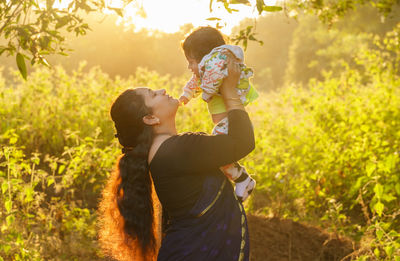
(190, 90)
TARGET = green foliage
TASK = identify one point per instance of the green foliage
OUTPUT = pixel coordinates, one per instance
(33, 29)
(42, 217)
(57, 151)
(317, 49)
(244, 36)
(331, 11)
(331, 151)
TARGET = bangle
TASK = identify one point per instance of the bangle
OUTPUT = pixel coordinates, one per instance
(232, 102)
(232, 98)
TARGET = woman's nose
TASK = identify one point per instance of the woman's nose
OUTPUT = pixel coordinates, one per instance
(162, 91)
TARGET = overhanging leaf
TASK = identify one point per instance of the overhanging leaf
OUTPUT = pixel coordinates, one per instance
(213, 19)
(21, 65)
(260, 5)
(272, 8)
(43, 61)
(245, 2)
(117, 10)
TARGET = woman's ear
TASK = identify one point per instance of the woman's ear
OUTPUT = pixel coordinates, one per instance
(151, 120)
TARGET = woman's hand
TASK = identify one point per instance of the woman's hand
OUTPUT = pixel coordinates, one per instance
(233, 71)
(228, 87)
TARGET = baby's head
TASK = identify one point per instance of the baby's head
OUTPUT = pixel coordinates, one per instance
(201, 41)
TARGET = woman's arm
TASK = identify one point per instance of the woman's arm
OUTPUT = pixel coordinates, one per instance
(202, 152)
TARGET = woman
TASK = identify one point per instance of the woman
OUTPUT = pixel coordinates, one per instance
(206, 221)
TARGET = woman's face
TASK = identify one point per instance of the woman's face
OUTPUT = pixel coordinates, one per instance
(163, 106)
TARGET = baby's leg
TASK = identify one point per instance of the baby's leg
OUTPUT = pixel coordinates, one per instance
(244, 184)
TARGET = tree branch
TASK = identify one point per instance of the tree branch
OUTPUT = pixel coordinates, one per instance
(10, 17)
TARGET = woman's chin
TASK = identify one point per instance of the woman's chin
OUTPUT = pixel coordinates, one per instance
(175, 101)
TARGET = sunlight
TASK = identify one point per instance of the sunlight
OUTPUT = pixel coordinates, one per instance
(169, 16)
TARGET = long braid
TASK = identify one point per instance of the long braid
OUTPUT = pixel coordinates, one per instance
(135, 201)
(126, 208)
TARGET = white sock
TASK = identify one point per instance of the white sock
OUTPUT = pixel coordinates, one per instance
(243, 189)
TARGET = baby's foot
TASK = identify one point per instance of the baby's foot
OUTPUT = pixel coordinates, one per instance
(244, 188)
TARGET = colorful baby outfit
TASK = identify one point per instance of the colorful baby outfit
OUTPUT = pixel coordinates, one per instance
(213, 69)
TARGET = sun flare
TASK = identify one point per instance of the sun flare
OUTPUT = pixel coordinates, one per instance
(169, 16)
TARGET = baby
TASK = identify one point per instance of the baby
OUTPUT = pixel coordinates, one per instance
(206, 52)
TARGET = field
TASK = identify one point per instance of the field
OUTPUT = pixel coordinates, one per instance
(327, 154)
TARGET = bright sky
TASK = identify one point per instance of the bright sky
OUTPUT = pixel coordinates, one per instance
(170, 15)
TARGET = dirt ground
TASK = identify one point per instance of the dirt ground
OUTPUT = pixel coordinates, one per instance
(279, 239)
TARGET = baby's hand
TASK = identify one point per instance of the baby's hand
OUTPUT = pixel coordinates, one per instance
(183, 100)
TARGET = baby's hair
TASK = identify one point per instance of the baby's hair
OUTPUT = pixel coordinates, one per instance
(201, 41)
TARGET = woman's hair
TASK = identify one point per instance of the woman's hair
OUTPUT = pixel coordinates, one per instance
(127, 229)
(201, 41)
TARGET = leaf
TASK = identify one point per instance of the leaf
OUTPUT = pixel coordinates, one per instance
(61, 169)
(378, 207)
(211, 2)
(272, 8)
(8, 205)
(260, 5)
(357, 185)
(28, 194)
(21, 65)
(10, 219)
(44, 42)
(370, 168)
(388, 197)
(248, 29)
(117, 10)
(245, 2)
(4, 187)
(70, 5)
(43, 61)
(397, 188)
(62, 21)
(49, 4)
(378, 189)
(390, 162)
(377, 252)
(389, 250)
(379, 234)
(50, 180)
(213, 19)
(13, 140)
(2, 50)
